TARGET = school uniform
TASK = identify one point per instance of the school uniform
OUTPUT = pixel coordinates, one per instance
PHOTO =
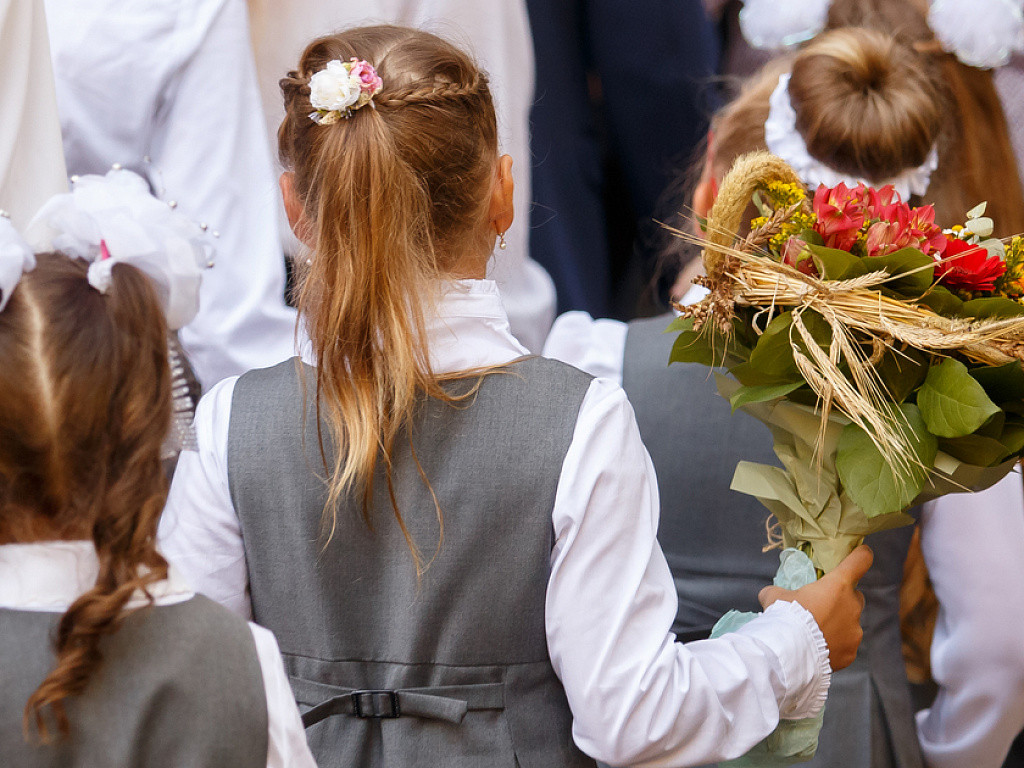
(168, 89)
(182, 682)
(713, 539)
(540, 630)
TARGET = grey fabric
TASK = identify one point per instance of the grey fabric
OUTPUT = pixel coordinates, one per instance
(712, 537)
(180, 687)
(464, 646)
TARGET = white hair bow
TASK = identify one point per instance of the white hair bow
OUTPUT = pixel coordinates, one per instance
(16, 258)
(113, 219)
(981, 33)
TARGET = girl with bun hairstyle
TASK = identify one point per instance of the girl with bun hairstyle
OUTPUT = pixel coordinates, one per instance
(455, 542)
(865, 105)
(108, 657)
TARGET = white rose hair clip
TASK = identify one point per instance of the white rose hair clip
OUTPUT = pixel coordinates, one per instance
(16, 258)
(981, 33)
(342, 87)
(113, 219)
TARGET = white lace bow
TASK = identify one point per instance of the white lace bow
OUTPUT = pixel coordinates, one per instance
(113, 219)
(981, 33)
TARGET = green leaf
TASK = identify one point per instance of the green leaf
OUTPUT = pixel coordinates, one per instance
(693, 347)
(679, 324)
(745, 395)
(978, 450)
(902, 372)
(993, 306)
(942, 301)
(773, 354)
(912, 270)
(952, 403)
(1013, 437)
(871, 480)
(749, 376)
(834, 264)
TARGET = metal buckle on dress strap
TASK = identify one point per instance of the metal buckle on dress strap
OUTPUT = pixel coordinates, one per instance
(375, 704)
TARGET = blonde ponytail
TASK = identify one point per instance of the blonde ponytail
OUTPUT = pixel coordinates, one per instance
(395, 196)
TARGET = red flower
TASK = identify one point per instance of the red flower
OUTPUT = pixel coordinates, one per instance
(969, 267)
(905, 227)
(882, 202)
(841, 214)
(795, 254)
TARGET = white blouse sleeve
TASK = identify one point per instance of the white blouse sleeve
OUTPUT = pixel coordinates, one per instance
(594, 346)
(199, 531)
(286, 738)
(638, 697)
(973, 545)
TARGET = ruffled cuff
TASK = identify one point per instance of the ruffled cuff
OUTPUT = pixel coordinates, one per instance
(791, 632)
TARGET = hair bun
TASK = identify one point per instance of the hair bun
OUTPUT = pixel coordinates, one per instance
(866, 104)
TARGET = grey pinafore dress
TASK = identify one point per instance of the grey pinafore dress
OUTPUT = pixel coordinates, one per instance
(448, 669)
(713, 536)
(180, 686)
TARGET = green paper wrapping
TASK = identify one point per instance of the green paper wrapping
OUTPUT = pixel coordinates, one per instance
(806, 495)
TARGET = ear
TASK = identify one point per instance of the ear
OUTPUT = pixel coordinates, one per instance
(704, 197)
(502, 210)
(294, 208)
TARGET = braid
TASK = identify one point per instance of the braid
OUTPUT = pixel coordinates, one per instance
(432, 94)
(120, 485)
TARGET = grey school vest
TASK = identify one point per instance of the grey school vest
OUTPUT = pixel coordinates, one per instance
(180, 686)
(453, 667)
(712, 538)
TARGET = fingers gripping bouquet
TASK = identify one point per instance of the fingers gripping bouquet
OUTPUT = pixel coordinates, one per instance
(883, 352)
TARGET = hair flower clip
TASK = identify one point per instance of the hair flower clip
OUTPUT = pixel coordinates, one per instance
(341, 88)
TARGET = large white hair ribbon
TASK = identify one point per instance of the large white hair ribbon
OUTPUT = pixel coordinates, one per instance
(981, 33)
(113, 219)
(16, 258)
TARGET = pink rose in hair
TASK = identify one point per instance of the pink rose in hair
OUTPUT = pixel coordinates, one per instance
(369, 80)
(841, 214)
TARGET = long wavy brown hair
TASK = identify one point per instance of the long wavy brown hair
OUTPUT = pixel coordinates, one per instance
(396, 197)
(86, 394)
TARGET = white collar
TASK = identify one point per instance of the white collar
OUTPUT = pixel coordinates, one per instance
(468, 328)
(51, 575)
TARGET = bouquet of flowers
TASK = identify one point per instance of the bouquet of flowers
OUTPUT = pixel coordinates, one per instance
(883, 352)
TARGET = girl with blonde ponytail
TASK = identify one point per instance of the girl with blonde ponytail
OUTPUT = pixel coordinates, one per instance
(453, 541)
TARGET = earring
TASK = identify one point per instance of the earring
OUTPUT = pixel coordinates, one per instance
(501, 241)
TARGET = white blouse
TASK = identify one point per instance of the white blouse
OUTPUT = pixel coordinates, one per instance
(973, 545)
(50, 576)
(638, 697)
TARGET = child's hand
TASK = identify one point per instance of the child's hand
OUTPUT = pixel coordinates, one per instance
(835, 603)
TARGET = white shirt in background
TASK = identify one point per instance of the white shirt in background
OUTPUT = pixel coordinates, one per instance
(973, 545)
(49, 576)
(638, 697)
(31, 159)
(175, 82)
(497, 34)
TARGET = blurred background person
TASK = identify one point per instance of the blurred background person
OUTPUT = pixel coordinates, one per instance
(169, 90)
(623, 95)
